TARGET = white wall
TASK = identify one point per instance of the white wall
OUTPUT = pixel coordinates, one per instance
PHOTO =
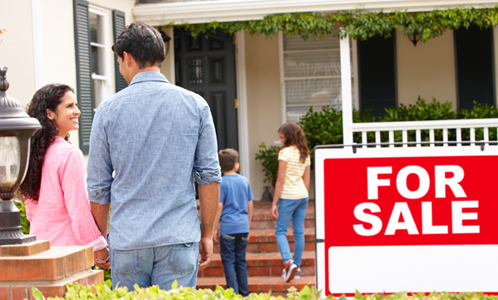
(16, 48)
(427, 70)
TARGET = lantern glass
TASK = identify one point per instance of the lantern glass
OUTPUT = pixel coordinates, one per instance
(10, 160)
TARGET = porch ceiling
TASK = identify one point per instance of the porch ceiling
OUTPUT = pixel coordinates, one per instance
(236, 10)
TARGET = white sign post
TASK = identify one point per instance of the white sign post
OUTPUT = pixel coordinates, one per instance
(414, 219)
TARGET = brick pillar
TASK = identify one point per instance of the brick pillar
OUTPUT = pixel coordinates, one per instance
(47, 268)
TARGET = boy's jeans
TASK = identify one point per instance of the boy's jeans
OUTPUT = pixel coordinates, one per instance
(155, 266)
(295, 208)
(233, 256)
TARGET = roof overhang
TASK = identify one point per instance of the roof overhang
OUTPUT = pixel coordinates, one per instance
(193, 12)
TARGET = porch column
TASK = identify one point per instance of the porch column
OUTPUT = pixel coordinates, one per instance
(347, 97)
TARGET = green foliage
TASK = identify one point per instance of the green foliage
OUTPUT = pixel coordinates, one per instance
(104, 291)
(19, 202)
(325, 127)
(269, 160)
(77, 291)
(358, 24)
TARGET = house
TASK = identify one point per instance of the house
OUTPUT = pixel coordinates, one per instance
(252, 83)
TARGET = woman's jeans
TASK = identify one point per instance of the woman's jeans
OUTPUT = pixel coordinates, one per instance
(233, 256)
(295, 208)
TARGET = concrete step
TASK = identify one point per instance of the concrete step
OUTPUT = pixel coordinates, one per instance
(261, 284)
(261, 264)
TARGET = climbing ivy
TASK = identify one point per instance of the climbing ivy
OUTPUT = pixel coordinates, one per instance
(358, 24)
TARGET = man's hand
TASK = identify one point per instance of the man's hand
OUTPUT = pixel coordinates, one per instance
(205, 253)
(216, 236)
(101, 258)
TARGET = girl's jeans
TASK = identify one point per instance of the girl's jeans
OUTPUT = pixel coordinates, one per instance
(287, 208)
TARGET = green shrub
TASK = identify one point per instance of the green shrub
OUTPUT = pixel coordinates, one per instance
(77, 291)
(269, 160)
(104, 291)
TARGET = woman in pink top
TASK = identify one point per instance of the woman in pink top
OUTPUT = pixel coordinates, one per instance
(55, 184)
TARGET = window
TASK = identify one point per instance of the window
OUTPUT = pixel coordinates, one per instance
(94, 61)
(311, 75)
(101, 58)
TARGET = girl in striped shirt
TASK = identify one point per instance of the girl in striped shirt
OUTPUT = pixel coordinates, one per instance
(291, 195)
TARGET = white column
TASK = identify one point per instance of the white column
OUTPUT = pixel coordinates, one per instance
(36, 20)
(243, 130)
(347, 99)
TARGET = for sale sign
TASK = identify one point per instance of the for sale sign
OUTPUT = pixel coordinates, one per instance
(407, 219)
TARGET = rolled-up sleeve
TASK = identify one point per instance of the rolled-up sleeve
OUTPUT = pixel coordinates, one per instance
(206, 165)
(99, 168)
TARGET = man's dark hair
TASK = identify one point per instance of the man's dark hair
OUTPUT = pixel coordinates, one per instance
(228, 158)
(143, 42)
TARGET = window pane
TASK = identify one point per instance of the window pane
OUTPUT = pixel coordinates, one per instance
(297, 43)
(305, 64)
(321, 92)
(97, 54)
(95, 28)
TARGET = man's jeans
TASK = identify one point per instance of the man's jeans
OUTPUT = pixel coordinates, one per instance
(155, 266)
(233, 256)
(295, 208)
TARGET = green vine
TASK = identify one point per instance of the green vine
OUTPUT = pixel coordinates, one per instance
(358, 24)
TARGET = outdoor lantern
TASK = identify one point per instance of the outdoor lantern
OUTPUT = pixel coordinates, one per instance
(16, 129)
(266, 194)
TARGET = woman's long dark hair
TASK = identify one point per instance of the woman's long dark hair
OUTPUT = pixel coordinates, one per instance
(49, 97)
(294, 135)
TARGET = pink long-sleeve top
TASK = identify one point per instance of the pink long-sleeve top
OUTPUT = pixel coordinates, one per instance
(62, 213)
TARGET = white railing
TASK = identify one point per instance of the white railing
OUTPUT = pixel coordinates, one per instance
(431, 126)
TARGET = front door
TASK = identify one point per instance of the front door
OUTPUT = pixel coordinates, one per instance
(206, 66)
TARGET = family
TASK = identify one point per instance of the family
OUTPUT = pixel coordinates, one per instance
(149, 144)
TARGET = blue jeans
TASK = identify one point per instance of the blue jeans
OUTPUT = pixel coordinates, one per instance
(155, 266)
(233, 256)
(295, 208)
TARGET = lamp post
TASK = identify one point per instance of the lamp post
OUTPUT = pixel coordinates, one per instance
(16, 129)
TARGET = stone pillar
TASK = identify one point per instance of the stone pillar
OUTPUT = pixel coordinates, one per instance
(47, 268)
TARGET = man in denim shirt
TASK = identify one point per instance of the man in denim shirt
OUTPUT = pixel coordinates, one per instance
(156, 138)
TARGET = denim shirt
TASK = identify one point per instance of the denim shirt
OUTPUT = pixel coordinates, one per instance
(156, 137)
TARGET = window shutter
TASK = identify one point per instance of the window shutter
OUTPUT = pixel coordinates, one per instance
(118, 25)
(377, 74)
(84, 83)
(474, 66)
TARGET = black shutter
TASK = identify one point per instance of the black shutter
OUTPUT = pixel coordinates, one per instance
(84, 87)
(118, 25)
(377, 74)
(474, 66)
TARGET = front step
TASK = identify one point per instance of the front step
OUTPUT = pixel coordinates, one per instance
(263, 240)
(262, 284)
(262, 264)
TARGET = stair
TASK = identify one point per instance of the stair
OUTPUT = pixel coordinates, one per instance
(264, 263)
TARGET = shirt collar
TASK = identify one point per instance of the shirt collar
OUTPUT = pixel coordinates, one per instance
(148, 76)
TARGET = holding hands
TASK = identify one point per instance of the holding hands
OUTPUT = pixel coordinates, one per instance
(101, 258)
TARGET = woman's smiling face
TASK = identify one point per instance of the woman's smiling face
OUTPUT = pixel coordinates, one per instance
(66, 116)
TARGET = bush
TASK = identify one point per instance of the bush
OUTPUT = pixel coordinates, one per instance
(269, 160)
(103, 291)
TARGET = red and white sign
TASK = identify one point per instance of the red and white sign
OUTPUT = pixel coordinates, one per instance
(407, 219)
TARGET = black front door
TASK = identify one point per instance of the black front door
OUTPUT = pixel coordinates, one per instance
(206, 66)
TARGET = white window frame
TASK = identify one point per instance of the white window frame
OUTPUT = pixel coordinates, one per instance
(283, 102)
(102, 83)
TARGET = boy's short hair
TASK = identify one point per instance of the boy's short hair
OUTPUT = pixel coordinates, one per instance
(228, 158)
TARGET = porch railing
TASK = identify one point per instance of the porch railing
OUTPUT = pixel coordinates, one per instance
(460, 132)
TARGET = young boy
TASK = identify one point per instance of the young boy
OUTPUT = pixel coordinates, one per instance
(234, 216)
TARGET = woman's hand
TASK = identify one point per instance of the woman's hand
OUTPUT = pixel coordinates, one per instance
(101, 258)
(274, 210)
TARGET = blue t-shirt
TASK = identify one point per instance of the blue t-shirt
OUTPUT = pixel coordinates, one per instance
(235, 194)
